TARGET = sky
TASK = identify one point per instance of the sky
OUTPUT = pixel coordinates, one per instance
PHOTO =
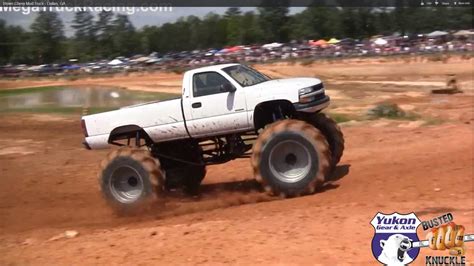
(139, 19)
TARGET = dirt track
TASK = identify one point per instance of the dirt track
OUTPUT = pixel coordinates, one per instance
(48, 185)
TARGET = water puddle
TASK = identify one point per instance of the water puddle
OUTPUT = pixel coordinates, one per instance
(73, 99)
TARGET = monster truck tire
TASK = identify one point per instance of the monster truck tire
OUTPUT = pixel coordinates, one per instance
(291, 158)
(333, 134)
(130, 180)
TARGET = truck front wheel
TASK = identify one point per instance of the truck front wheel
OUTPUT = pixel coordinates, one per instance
(130, 180)
(333, 134)
(291, 158)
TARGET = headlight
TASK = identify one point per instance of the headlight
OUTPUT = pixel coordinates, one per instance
(310, 94)
(305, 90)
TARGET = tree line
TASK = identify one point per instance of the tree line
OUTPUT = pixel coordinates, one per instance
(108, 35)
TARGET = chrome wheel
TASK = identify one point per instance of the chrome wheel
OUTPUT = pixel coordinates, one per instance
(126, 184)
(289, 161)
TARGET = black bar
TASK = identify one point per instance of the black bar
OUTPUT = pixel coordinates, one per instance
(234, 3)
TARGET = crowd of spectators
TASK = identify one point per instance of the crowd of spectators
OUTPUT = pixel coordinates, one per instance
(435, 42)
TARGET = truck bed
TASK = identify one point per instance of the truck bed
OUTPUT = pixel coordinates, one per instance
(162, 121)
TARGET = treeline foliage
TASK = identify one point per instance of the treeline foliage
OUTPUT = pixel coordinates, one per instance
(108, 35)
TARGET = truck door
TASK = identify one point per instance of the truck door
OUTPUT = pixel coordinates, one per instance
(214, 110)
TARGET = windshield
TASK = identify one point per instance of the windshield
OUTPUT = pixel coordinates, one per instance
(245, 75)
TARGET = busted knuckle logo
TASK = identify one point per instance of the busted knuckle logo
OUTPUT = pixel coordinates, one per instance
(395, 241)
(444, 235)
(393, 238)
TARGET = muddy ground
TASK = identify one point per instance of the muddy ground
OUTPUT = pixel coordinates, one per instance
(421, 163)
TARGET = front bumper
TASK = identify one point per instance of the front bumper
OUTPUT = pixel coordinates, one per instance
(313, 107)
(86, 145)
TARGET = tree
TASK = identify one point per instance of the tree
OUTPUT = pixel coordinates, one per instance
(273, 21)
(150, 39)
(251, 31)
(19, 40)
(460, 18)
(234, 33)
(384, 21)
(366, 22)
(214, 30)
(125, 41)
(5, 44)
(85, 35)
(47, 35)
(196, 39)
(111, 36)
(104, 33)
(316, 23)
(349, 25)
(14, 44)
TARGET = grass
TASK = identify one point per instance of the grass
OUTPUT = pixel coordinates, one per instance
(394, 115)
(150, 96)
(341, 118)
(391, 111)
(96, 110)
(307, 61)
(433, 121)
(58, 110)
(40, 110)
(11, 92)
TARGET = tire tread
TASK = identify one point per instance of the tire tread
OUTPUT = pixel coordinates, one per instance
(149, 164)
(314, 135)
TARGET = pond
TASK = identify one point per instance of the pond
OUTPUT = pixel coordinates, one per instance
(74, 99)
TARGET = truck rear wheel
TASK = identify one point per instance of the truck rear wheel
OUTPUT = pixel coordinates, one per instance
(291, 158)
(333, 134)
(130, 180)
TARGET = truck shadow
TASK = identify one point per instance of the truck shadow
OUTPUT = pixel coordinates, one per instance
(244, 186)
(252, 186)
(339, 172)
(227, 194)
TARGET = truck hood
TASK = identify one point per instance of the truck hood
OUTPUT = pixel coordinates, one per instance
(289, 83)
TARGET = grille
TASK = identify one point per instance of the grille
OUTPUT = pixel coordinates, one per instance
(318, 86)
(321, 95)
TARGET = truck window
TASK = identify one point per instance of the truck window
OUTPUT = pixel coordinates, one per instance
(245, 75)
(207, 83)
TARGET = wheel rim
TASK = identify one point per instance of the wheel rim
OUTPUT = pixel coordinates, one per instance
(126, 184)
(289, 161)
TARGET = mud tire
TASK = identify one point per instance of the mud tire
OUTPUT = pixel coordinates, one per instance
(131, 180)
(313, 156)
(333, 134)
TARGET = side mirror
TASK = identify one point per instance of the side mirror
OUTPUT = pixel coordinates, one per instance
(227, 87)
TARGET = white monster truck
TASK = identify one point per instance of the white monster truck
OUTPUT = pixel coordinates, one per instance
(223, 112)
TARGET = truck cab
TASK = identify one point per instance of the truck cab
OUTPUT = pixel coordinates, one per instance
(233, 97)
